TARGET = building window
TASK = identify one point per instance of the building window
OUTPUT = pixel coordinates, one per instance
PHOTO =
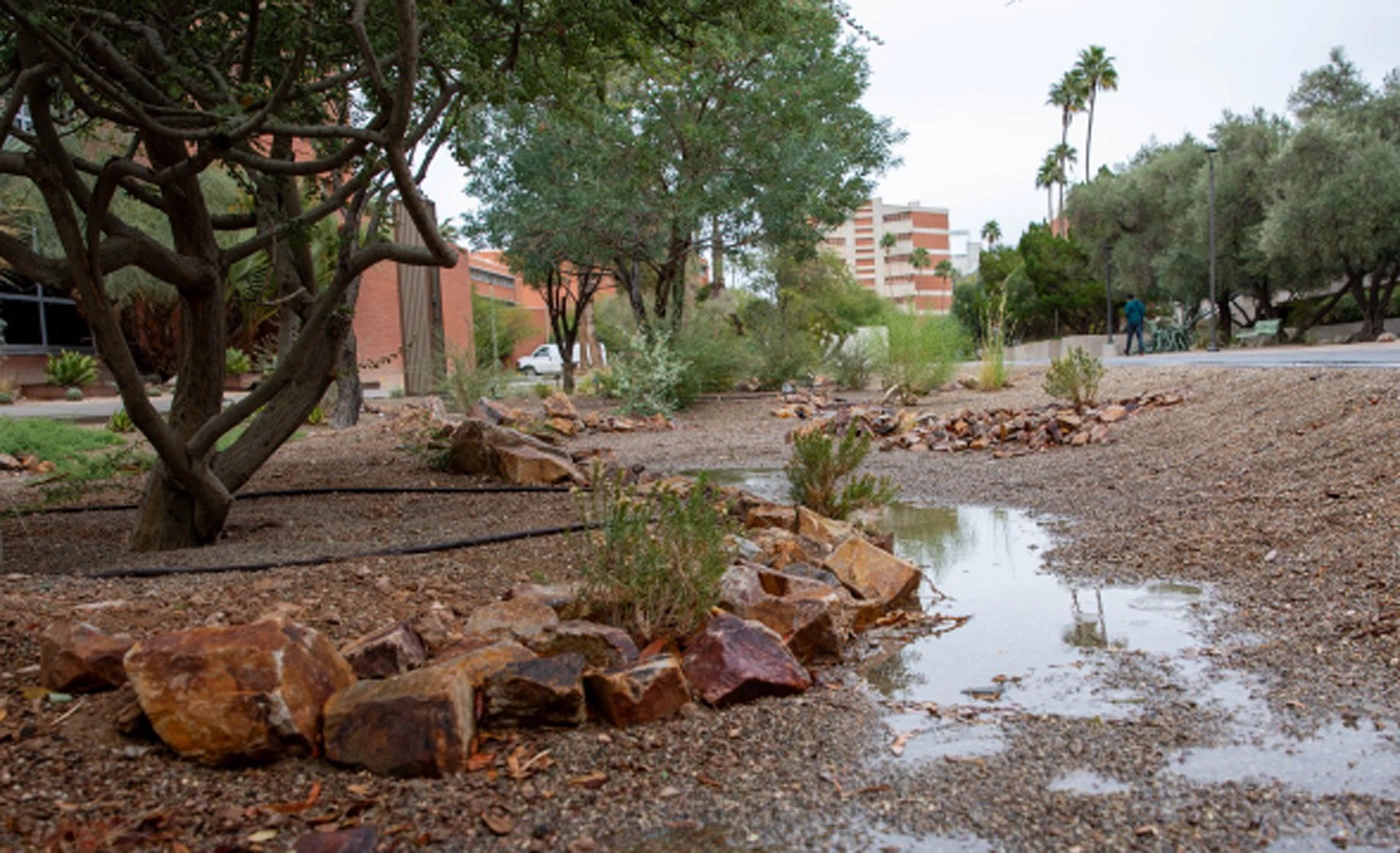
(37, 319)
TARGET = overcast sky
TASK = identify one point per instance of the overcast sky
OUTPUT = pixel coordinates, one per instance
(968, 81)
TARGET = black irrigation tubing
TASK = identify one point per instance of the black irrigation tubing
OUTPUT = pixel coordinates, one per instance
(406, 551)
(293, 493)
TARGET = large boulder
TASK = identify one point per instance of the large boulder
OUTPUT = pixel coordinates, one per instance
(245, 693)
(652, 690)
(417, 724)
(529, 466)
(812, 617)
(75, 657)
(479, 447)
(603, 646)
(479, 662)
(387, 652)
(541, 692)
(735, 660)
(828, 531)
(873, 574)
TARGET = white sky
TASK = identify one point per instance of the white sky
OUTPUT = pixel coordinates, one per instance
(968, 81)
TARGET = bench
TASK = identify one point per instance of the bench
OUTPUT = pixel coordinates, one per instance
(1263, 330)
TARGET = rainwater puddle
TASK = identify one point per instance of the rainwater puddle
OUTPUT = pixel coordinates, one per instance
(1088, 782)
(1038, 643)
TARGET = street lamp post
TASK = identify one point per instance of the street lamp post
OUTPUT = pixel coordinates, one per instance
(1214, 311)
(1108, 288)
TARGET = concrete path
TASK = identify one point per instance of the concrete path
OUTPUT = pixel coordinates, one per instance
(1324, 355)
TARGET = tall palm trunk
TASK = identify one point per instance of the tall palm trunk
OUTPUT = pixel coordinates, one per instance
(1089, 136)
(1049, 203)
(1064, 172)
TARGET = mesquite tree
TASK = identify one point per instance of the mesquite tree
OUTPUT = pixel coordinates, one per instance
(322, 112)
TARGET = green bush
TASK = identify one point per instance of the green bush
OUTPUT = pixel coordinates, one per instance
(464, 385)
(317, 416)
(543, 390)
(717, 358)
(70, 369)
(853, 364)
(120, 421)
(648, 376)
(80, 455)
(6, 398)
(921, 354)
(1075, 377)
(654, 564)
(818, 465)
(73, 395)
(497, 326)
(237, 362)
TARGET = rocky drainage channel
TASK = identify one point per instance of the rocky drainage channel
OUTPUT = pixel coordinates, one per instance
(410, 699)
(1013, 641)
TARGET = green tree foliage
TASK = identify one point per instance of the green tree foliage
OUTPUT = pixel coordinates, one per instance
(1055, 288)
(660, 165)
(1298, 207)
(497, 326)
(320, 113)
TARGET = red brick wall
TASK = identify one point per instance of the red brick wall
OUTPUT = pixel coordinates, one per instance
(378, 331)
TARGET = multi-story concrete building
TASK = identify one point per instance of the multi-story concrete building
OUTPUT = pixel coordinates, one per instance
(883, 263)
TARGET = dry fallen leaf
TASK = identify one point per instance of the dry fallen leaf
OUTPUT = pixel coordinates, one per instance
(897, 748)
(262, 835)
(480, 761)
(708, 782)
(594, 780)
(358, 790)
(297, 808)
(499, 824)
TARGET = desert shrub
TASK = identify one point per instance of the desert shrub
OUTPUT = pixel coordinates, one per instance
(819, 464)
(317, 416)
(654, 563)
(73, 395)
(497, 326)
(120, 421)
(543, 390)
(853, 364)
(921, 353)
(6, 398)
(463, 384)
(1075, 377)
(237, 362)
(70, 369)
(648, 376)
(717, 357)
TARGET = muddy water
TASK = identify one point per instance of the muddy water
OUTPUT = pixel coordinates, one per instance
(1039, 643)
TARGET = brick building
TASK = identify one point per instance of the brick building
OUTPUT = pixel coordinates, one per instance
(883, 263)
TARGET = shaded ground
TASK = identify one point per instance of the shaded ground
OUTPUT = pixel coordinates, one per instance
(1275, 486)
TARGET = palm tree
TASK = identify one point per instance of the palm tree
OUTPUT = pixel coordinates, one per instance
(919, 259)
(1095, 69)
(946, 270)
(1069, 95)
(1065, 156)
(1046, 177)
(887, 241)
(991, 233)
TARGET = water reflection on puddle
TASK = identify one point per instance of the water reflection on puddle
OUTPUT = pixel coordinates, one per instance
(1035, 642)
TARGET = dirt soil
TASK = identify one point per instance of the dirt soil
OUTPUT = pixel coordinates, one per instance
(1277, 487)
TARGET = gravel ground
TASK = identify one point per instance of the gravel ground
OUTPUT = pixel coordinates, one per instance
(1276, 487)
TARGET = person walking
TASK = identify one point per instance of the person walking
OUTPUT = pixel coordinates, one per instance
(1134, 311)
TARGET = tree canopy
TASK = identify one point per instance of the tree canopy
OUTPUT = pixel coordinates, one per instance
(320, 112)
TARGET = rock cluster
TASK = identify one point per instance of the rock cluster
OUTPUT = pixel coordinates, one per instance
(408, 699)
(1004, 432)
(560, 417)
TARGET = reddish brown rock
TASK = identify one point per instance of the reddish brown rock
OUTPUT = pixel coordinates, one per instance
(1113, 414)
(779, 548)
(476, 447)
(603, 646)
(387, 652)
(417, 724)
(873, 574)
(827, 531)
(558, 405)
(734, 660)
(518, 618)
(238, 694)
(564, 598)
(642, 693)
(813, 618)
(529, 466)
(361, 840)
(771, 515)
(481, 662)
(437, 626)
(75, 657)
(541, 692)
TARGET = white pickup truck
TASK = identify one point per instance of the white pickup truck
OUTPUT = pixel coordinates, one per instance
(546, 360)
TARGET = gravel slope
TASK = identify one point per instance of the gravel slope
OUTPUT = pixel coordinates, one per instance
(1277, 487)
